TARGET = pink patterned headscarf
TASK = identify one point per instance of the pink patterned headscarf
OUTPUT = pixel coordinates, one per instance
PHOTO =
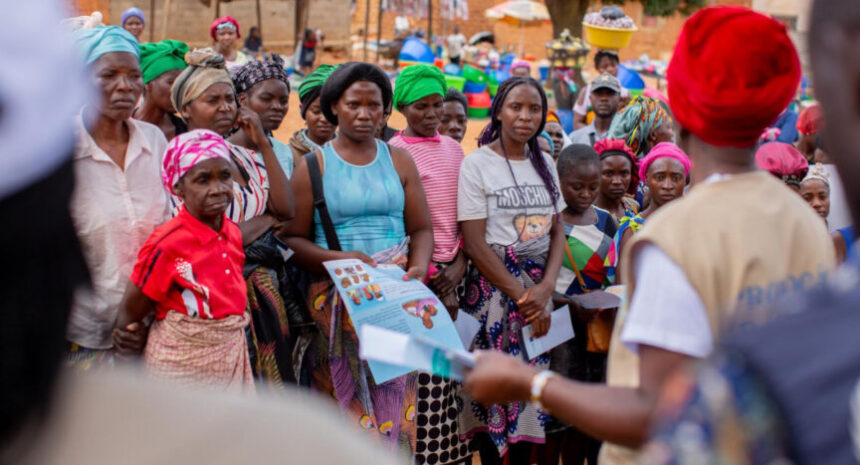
(189, 149)
(664, 150)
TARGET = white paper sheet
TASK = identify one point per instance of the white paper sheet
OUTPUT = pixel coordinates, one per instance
(560, 330)
(467, 328)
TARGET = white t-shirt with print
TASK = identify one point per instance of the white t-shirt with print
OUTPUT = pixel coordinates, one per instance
(488, 191)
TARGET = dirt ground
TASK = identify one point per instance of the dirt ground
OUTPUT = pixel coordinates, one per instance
(294, 122)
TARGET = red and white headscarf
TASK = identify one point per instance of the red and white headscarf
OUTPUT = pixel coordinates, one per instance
(189, 149)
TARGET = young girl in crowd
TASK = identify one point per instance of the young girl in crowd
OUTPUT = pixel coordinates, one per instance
(318, 130)
(379, 214)
(264, 88)
(418, 94)
(455, 109)
(589, 231)
(508, 205)
(190, 272)
(617, 178)
(815, 189)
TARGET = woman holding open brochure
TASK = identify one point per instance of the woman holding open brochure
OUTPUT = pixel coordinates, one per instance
(370, 206)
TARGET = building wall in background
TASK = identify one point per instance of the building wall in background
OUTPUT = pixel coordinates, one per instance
(189, 20)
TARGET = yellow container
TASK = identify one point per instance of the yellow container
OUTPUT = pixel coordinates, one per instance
(607, 37)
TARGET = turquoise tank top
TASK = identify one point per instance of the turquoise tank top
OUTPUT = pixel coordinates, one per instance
(284, 154)
(365, 202)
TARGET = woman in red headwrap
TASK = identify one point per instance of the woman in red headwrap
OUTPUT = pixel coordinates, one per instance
(224, 31)
(809, 123)
(736, 242)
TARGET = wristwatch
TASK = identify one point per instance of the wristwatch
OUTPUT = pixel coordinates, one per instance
(538, 384)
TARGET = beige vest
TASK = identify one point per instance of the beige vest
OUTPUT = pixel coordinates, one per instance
(743, 243)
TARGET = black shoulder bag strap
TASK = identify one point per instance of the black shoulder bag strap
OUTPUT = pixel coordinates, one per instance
(319, 201)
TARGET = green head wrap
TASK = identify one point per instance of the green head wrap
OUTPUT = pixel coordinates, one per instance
(416, 82)
(309, 90)
(315, 79)
(157, 58)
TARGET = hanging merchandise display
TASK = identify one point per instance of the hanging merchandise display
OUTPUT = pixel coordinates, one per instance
(454, 9)
(411, 8)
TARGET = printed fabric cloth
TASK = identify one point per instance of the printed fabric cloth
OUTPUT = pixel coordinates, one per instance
(249, 201)
(501, 325)
(200, 352)
(634, 224)
(589, 245)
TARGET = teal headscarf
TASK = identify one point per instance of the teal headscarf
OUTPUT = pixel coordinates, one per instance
(635, 123)
(97, 41)
(416, 82)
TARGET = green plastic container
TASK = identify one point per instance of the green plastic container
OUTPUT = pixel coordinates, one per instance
(472, 74)
(455, 81)
(479, 112)
(635, 92)
(492, 89)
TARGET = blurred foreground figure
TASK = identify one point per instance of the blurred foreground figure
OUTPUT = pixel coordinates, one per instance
(788, 392)
(51, 417)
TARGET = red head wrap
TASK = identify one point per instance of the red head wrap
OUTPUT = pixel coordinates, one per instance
(810, 120)
(224, 19)
(783, 161)
(732, 73)
(610, 147)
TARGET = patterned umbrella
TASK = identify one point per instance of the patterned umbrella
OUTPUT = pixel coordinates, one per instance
(519, 12)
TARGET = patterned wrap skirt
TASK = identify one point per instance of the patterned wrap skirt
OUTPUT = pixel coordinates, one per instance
(200, 352)
(501, 330)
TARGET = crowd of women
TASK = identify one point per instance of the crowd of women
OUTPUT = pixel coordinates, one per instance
(205, 236)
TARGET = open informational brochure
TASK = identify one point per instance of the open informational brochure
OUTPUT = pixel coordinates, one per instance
(378, 296)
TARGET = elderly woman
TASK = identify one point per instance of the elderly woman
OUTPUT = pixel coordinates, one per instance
(205, 97)
(189, 274)
(508, 206)
(318, 130)
(161, 62)
(264, 88)
(418, 94)
(377, 210)
(224, 32)
(261, 199)
(133, 20)
(783, 161)
(118, 198)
